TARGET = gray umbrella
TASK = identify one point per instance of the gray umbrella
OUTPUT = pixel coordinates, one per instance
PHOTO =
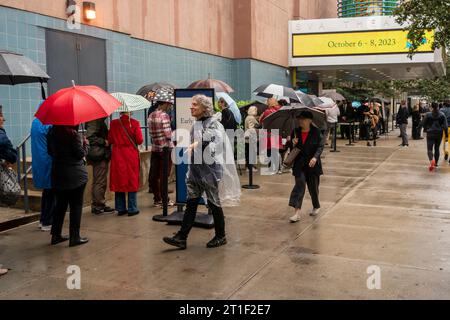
(285, 119)
(17, 69)
(335, 96)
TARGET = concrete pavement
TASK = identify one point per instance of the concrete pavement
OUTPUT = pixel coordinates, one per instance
(381, 207)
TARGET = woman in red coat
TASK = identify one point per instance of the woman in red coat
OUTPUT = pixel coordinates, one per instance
(125, 137)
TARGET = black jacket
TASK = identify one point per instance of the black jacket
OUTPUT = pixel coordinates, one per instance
(228, 120)
(97, 135)
(402, 115)
(348, 112)
(7, 151)
(435, 125)
(68, 152)
(312, 148)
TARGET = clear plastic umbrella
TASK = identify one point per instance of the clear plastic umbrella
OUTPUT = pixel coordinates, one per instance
(232, 105)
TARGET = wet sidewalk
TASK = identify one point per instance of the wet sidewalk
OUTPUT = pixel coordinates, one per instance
(381, 207)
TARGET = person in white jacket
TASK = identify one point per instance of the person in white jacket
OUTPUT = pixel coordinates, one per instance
(332, 114)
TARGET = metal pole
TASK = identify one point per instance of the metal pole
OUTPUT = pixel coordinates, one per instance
(146, 129)
(165, 189)
(25, 180)
(335, 139)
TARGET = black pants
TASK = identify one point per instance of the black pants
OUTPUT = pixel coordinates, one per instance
(48, 204)
(434, 142)
(64, 199)
(416, 130)
(191, 212)
(298, 193)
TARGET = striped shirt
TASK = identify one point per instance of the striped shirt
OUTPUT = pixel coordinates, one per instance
(160, 130)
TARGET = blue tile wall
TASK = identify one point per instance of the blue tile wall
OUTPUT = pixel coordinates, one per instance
(131, 63)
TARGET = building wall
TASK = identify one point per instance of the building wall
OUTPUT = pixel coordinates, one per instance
(228, 28)
(131, 63)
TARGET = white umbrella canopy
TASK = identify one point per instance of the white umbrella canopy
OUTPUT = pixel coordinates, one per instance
(327, 103)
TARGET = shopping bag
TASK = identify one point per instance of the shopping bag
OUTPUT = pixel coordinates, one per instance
(290, 159)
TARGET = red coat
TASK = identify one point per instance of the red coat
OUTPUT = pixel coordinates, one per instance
(270, 140)
(125, 166)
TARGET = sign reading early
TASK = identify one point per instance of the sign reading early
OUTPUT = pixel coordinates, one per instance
(355, 43)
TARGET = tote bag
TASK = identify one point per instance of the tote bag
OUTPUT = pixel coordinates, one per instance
(9, 187)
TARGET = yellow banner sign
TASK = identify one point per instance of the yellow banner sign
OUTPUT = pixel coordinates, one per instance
(355, 43)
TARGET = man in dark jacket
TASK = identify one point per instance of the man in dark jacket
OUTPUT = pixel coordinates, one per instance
(402, 122)
(308, 166)
(7, 152)
(99, 156)
(228, 121)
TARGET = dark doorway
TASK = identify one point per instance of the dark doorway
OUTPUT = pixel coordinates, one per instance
(74, 57)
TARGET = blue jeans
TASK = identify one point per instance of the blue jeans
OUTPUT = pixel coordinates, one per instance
(121, 202)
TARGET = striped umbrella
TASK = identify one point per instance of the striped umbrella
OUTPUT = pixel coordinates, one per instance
(131, 102)
(271, 90)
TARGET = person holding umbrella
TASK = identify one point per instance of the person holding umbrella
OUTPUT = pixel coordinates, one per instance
(307, 167)
(161, 135)
(125, 137)
(66, 110)
(270, 139)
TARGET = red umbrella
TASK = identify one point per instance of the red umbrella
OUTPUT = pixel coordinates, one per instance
(209, 83)
(75, 105)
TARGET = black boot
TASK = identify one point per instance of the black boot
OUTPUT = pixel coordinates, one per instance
(75, 239)
(58, 239)
(176, 241)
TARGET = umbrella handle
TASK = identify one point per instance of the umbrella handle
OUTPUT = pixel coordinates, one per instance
(73, 83)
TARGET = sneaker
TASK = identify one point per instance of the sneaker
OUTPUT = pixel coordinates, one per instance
(109, 210)
(216, 242)
(432, 165)
(314, 212)
(3, 271)
(97, 211)
(157, 204)
(294, 219)
(132, 214)
(176, 241)
(122, 213)
(46, 228)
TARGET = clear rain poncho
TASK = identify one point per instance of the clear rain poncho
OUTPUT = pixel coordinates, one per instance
(212, 170)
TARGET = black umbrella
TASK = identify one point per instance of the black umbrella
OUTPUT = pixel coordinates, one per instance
(17, 69)
(259, 105)
(271, 90)
(285, 119)
(153, 88)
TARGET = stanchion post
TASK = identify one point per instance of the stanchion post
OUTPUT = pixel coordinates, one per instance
(335, 139)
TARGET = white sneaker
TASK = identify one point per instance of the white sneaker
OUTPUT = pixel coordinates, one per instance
(46, 228)
(295, 218)
(314, 212)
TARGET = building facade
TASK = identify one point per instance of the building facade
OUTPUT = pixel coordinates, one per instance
(363, 8)
(133, 43)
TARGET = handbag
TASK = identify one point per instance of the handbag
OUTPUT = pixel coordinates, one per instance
(10, 190)
(290, 159)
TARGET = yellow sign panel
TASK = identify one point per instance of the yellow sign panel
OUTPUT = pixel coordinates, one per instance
(355, 43)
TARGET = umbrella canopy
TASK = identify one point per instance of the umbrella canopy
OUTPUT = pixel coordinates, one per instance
(327, 103)
(259, 105)
(16, 69)
(356, 104)
(165, 95)
(131, 102)
(285, 119)
(232, 105)
(307, 100)
(335, 96)
(153, 88)
(209, 83)
(75, 105)
(271, 90)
